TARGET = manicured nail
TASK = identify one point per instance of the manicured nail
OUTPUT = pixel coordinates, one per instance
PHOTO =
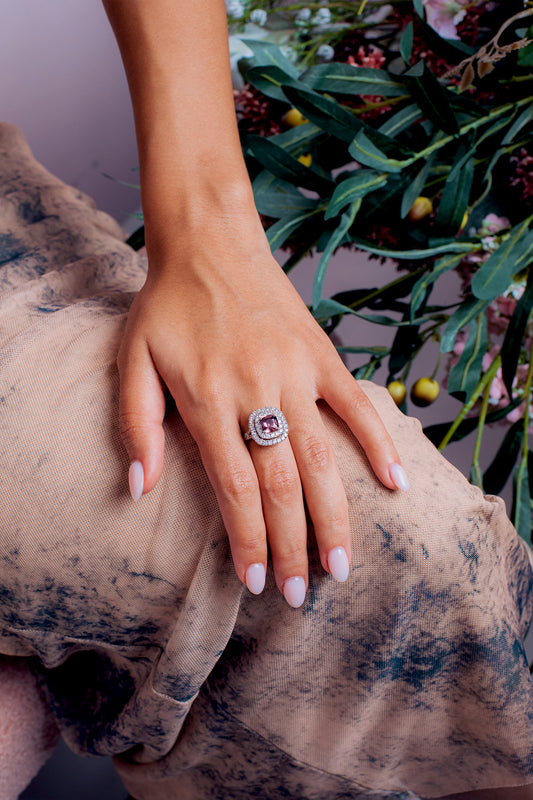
(398, 477)
(338, 563)
(255, 578)
(136, 479)
(294, 591)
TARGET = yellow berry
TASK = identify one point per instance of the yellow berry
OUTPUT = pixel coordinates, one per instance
(424, 392)
(306, 159)
(463, 223)
(397, 391)
(420, 209)
(293, 118)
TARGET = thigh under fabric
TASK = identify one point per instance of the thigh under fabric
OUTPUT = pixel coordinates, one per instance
(407, 681)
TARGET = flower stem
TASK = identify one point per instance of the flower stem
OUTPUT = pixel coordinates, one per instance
(476, 471)
(486, 379)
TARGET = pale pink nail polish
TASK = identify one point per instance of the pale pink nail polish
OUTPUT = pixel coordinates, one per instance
(255, 578)
(338, 563)
(398, 477)
(136, 479)
(294, 591)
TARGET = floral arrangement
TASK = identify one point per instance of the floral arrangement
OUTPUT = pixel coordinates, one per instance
(405, 129)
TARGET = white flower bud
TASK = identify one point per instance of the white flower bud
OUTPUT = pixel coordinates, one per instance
(325, 52)
(234, 8)
(258, 16)
(303, 15)
(322, 16)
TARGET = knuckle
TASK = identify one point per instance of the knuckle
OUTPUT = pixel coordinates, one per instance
(316, 454)
(131, 424)
(237, 485)
(280, 483)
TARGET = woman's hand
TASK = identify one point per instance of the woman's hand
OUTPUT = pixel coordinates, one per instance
(221, 326)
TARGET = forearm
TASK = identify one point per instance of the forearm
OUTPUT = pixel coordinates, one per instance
(176, 58)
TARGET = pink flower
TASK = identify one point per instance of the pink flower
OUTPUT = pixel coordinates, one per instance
(493, 224)
(444, 16)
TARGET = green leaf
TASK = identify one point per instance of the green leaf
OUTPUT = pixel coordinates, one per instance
(501, 466)
(436, 433)
(266, 53)
(522, 502)
(525, 56)
(360, 184)
(406, 43)
(329, 115)
(451, 50)
(419, 8)
(286, 167)
(338, 78)
(278, 233)
(335, 239)
(456, 193)
(415, 188)
(365, 152)
(136, 240)
(401, 121)
(462, 317)
(494, 276)
(449, 247)
(297, 138)
(277, 198)
(431, 96)
(523, 118)
(422, 285)
(464, 375)
(514, 335)
(269, 80)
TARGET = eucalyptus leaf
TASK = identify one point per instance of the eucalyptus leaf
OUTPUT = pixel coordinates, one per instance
(406, 42)
(501, 466)
(267, 53)
(436, 433)
(431, 96)
(365, 152)
(522, 119)
(361, 183)
(456, 193)
(329, 115)
(514, 335)
(521, 513)
(401, 121)
(413, 254)
(495, 274)
(464, 375)
(297, 138)
(422, 285)
(286, 167)
(336, 238)
(276, 198)
(415, 188)
(462, 317)
(269, 79)
(278, 233)
(336, 78)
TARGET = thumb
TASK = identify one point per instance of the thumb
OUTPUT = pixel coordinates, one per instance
(141, 411)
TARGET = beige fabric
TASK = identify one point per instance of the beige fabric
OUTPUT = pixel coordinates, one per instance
(407, 681)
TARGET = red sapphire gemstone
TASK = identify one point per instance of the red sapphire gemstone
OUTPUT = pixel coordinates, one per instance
(269, 424)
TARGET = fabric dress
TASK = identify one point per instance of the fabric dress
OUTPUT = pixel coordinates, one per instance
(408, 681)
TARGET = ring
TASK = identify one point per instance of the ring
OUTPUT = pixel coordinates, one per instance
(267, 426)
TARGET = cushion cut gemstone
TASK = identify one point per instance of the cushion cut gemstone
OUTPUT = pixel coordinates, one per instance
(269, 424)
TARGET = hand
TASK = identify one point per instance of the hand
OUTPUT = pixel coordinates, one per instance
(225, 331)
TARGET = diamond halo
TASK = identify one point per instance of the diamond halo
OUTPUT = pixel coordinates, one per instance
(267, 426)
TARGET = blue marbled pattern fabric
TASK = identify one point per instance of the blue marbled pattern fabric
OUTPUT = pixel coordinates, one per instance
(408, 681)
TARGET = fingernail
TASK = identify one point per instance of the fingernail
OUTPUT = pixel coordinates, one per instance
(398, 477)
(136, 479)
(294, 591)
(338, 563)
(255, 578)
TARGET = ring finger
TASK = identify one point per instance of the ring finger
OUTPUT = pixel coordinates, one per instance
(283, 509)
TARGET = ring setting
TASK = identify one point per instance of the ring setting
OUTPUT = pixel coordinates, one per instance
(267, 426)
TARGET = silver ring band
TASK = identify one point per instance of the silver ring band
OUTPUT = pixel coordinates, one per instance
(267, 426)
